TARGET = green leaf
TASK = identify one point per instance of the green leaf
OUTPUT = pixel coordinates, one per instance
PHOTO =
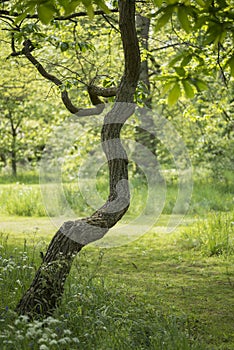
(199, 84)
(200, 22)
(88, 4)
(180, 71)
(64, 46)
(101, 4)
(45, 12)
(167, 87)
(201, 3)
(183, 19)
(186, 60)
(158, 3)
(200, 60)
(231, 65)
(214, 33)
(70, 7)
(90, 11)
(188, 89)
(164, 77)
(176, 59)
(174, 94)
(20, 17)
(162, 21)
(172, 2)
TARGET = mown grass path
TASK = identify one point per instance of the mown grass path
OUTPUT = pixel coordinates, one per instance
(161, 272)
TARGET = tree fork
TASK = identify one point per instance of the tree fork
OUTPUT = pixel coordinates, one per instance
(46, 290)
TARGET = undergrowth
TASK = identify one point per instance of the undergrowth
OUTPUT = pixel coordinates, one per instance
(213, 235)
(94, 314)
(27, 200)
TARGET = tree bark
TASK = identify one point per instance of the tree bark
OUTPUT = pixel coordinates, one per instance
(46, 290)
(13, 160)
(143, 27)
(13, 146)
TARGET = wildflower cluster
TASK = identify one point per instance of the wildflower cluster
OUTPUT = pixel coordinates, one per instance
(48, 334)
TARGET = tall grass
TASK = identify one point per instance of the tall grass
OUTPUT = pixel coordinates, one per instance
(23, 177)
(94, 314)
(26, 199)
(21, 200)
(212, 236)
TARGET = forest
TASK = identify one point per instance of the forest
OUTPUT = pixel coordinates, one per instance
(116, 174)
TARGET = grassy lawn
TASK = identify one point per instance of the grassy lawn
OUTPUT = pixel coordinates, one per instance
(160, 291)
(158, 272)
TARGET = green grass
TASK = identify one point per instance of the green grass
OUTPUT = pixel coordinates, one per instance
(212, 236)
(160, 292)
(27, 200)
(23, 177)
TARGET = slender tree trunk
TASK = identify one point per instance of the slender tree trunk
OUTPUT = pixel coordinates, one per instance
(13, 156)
(3, 159)
(143, 27)
(13, 145)
(143, 135)
(46, 290)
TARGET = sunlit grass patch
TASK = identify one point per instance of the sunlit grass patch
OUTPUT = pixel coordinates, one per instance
(21, 200)
(162, 291)
(149, 294)
(82, 200)
(212, 236)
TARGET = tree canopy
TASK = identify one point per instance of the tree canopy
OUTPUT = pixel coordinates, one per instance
(199, 32)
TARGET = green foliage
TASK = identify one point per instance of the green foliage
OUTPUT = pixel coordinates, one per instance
(203, 32)
(25, 120)
(46, 11)
(26, 200)
(49, 9)
(23, 177)
(92, 314)
(127, 297)
(164, 18)
(230, 62)
(174, 94)
(188, 89)
(183, 19)
(21, 200)
(185, 70)
(212, 236)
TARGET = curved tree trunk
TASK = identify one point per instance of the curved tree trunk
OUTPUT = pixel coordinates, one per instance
(46, 290)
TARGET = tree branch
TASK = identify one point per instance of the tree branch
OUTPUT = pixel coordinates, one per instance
(220, 66)
(28, 48)
(58, 18)
(93, 91)
(111, 24)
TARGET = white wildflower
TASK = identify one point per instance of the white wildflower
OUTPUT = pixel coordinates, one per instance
(63, 341)
(20, 337)
(75, 340)
(43, 347)
(53, 342)
(43, 339)
(51, 320)
(53, 335)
